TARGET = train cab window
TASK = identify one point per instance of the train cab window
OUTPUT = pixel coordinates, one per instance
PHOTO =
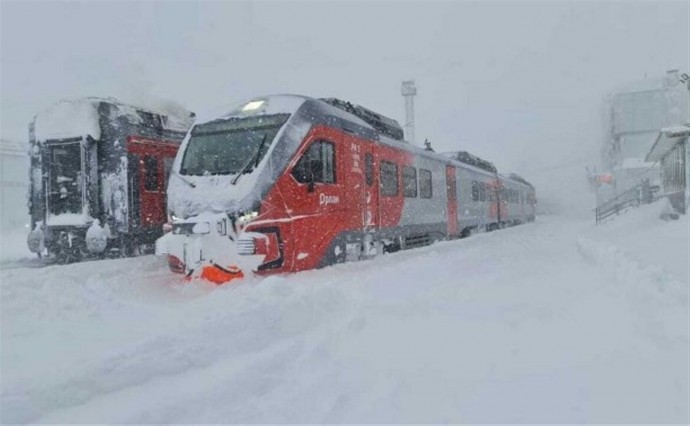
(425, 184)
(389, 179)
(409, 182)
(369, 169)
(482, 191)
(475, 191)
(150, 173)
(317, 164)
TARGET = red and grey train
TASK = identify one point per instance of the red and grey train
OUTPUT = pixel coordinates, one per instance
(98, 174)
(288, 183)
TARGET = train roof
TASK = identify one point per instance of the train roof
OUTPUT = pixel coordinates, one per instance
(517, 178)
(80, 117)
(362, 121)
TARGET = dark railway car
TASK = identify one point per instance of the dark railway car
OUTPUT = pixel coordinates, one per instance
(289, 183)
(98, 175)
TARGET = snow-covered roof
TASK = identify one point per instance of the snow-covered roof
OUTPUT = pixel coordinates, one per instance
(10, 147)
(645, 85)
(68, 118)
(263, 105)
(667, 139)
(79, 117)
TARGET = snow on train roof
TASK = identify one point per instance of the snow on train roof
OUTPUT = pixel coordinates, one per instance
(79, 117)
(263, 105)
(276, 104)
(68, 118)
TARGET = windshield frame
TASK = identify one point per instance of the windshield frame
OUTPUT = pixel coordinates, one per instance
(261, 126)
(53, 186)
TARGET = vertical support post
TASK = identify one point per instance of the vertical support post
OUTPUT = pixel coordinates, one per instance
(408, 91)
(686, 149)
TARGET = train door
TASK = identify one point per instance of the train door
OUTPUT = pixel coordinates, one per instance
(451, 188)
(371, 212)
(153, 160)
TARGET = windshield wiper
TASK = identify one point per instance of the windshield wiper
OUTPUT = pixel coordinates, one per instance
(254, 159)
(183, 179)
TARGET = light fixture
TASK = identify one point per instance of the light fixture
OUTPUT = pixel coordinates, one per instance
(252, 106)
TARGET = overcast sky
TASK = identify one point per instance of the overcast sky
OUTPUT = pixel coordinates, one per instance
(520, 83)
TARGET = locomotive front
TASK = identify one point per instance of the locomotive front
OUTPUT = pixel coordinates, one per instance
(220, 178)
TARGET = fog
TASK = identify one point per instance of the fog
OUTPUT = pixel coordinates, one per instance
(519, 83)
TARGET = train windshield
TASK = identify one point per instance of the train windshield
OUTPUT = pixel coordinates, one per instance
(65, 177)
(230, 146)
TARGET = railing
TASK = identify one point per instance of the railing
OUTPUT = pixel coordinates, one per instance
(633, 197)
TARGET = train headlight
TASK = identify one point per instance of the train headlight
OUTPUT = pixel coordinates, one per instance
(246, 218)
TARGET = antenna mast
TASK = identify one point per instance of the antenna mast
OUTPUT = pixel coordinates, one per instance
(409, 91)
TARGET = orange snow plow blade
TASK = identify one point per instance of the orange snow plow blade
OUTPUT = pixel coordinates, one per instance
(219, 275)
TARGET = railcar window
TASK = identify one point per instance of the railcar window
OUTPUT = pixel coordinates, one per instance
(319, 161)
(150, 173)
(425, 184)
(409, 182)
(482, 191)
(389, 179)
(369, 169)
(475, 191)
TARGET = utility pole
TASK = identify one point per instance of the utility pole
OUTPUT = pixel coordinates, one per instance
(409, 91)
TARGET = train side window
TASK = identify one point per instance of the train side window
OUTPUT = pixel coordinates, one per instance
(389, 179)
(475, 191)
(369, 169)
(425, 184)
(409, 182)
(482, 191)
(318, 161)
(150, 173)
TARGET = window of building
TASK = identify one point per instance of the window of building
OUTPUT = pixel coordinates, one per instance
(150, 173)
(389, 179)
(317, 164)
(409, 182)
(425, 184)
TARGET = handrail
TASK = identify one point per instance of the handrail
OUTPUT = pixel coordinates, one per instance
(632, 197)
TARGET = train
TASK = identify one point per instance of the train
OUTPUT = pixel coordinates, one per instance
(287, 183)
(98, 174)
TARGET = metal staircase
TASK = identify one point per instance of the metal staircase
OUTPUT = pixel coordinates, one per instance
(633, 197)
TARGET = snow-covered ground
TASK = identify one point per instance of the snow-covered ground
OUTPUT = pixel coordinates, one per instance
(556, 321)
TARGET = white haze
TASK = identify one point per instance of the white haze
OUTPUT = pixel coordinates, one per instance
(519, 83)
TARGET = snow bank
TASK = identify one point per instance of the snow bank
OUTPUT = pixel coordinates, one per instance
(13, 245)
(512, 326)
(641, 237)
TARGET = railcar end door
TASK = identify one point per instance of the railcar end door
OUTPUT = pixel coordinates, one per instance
(371, 191)
(451, 187)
